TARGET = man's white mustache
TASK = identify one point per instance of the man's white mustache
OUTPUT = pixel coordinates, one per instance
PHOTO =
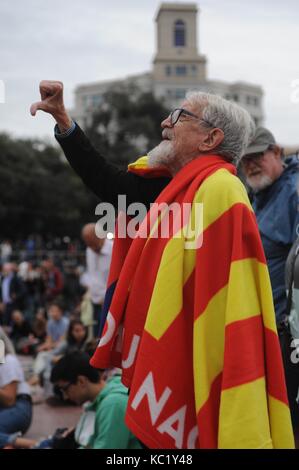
(166, 134)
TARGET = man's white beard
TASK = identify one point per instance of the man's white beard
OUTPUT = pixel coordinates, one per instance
(162, 155)
(259, 183)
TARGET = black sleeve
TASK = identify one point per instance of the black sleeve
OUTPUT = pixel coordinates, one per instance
(104, 179)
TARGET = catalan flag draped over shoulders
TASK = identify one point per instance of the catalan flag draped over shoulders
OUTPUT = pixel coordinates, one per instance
(192, 324)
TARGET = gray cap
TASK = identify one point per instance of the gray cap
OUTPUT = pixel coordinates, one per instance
(261, 141)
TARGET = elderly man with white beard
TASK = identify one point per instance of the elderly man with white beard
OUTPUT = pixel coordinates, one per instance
(273, 180)
(190, 321)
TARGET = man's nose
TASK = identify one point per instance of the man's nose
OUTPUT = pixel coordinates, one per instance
(166, 123)
(249, 164)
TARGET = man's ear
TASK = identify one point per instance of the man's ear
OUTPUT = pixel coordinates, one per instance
(277, 152)
(212, 140)
(81, 380)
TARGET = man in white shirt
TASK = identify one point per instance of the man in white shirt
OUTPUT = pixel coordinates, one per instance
(98, 258)
(15, 401)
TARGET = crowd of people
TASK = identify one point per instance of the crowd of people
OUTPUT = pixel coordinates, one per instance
(52, 314)
(35, 246)
(220, 316)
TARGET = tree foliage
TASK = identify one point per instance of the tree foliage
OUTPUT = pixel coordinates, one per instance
(39, 191)
(127, 124)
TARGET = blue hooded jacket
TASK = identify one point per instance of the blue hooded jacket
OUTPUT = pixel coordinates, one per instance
(277, 213)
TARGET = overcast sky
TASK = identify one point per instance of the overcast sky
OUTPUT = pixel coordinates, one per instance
(78, 41)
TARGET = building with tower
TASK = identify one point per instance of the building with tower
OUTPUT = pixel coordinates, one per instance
(178, 66)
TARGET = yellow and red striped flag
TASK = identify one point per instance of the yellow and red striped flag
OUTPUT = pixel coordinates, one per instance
(193, 328)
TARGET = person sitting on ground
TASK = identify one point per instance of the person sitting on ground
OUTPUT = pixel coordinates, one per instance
(39, 327)
(37, 335)
(102, 424)
(56, 330)
(15, 402)
(8, 345)
(76, 340)
(20, 333)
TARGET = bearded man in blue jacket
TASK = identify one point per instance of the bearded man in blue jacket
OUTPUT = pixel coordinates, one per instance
(273, 180)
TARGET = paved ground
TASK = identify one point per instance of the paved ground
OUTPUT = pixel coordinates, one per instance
(47, 418)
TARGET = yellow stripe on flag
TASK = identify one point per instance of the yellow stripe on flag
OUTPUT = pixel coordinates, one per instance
(245, 296)
(208, 348)
(218, 193)
(281, 431)
(167, 300)
(243, 418)
(240, 301)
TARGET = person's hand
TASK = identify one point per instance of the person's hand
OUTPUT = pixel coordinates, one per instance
(43, 347)
(67, 432)
(52, 102)
(24, 443)
(56, 359)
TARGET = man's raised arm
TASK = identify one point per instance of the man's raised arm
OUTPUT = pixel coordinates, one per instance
(104, 179)
(52, 102)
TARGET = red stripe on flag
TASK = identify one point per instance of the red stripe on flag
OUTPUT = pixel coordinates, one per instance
(275, 373)
(229, 229)
(208, 417)
(244, 352)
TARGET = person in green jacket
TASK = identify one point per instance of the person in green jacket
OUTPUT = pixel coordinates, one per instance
(102, 424)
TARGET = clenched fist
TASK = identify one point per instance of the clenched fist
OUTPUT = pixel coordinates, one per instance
(52, 102)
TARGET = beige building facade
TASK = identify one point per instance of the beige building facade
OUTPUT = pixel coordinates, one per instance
(178, 67)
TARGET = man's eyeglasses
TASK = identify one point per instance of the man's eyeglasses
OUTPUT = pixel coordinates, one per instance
(64, 388)
(178, 112)
(256, 157)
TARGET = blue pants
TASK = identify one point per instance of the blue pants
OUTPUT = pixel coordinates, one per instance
(14, 419)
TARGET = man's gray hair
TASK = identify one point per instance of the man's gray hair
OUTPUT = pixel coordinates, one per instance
(236, 123)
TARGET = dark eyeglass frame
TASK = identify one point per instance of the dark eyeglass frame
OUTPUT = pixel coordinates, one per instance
(182, 111)
(65, 387)
(255, 156)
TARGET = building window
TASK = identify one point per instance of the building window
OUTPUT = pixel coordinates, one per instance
(96, 100)
(252, 100)
(179, 33)
(194, 70)
(85, 101)
(181, 70)
(235, 97)
(180, 93)
(168, 70)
